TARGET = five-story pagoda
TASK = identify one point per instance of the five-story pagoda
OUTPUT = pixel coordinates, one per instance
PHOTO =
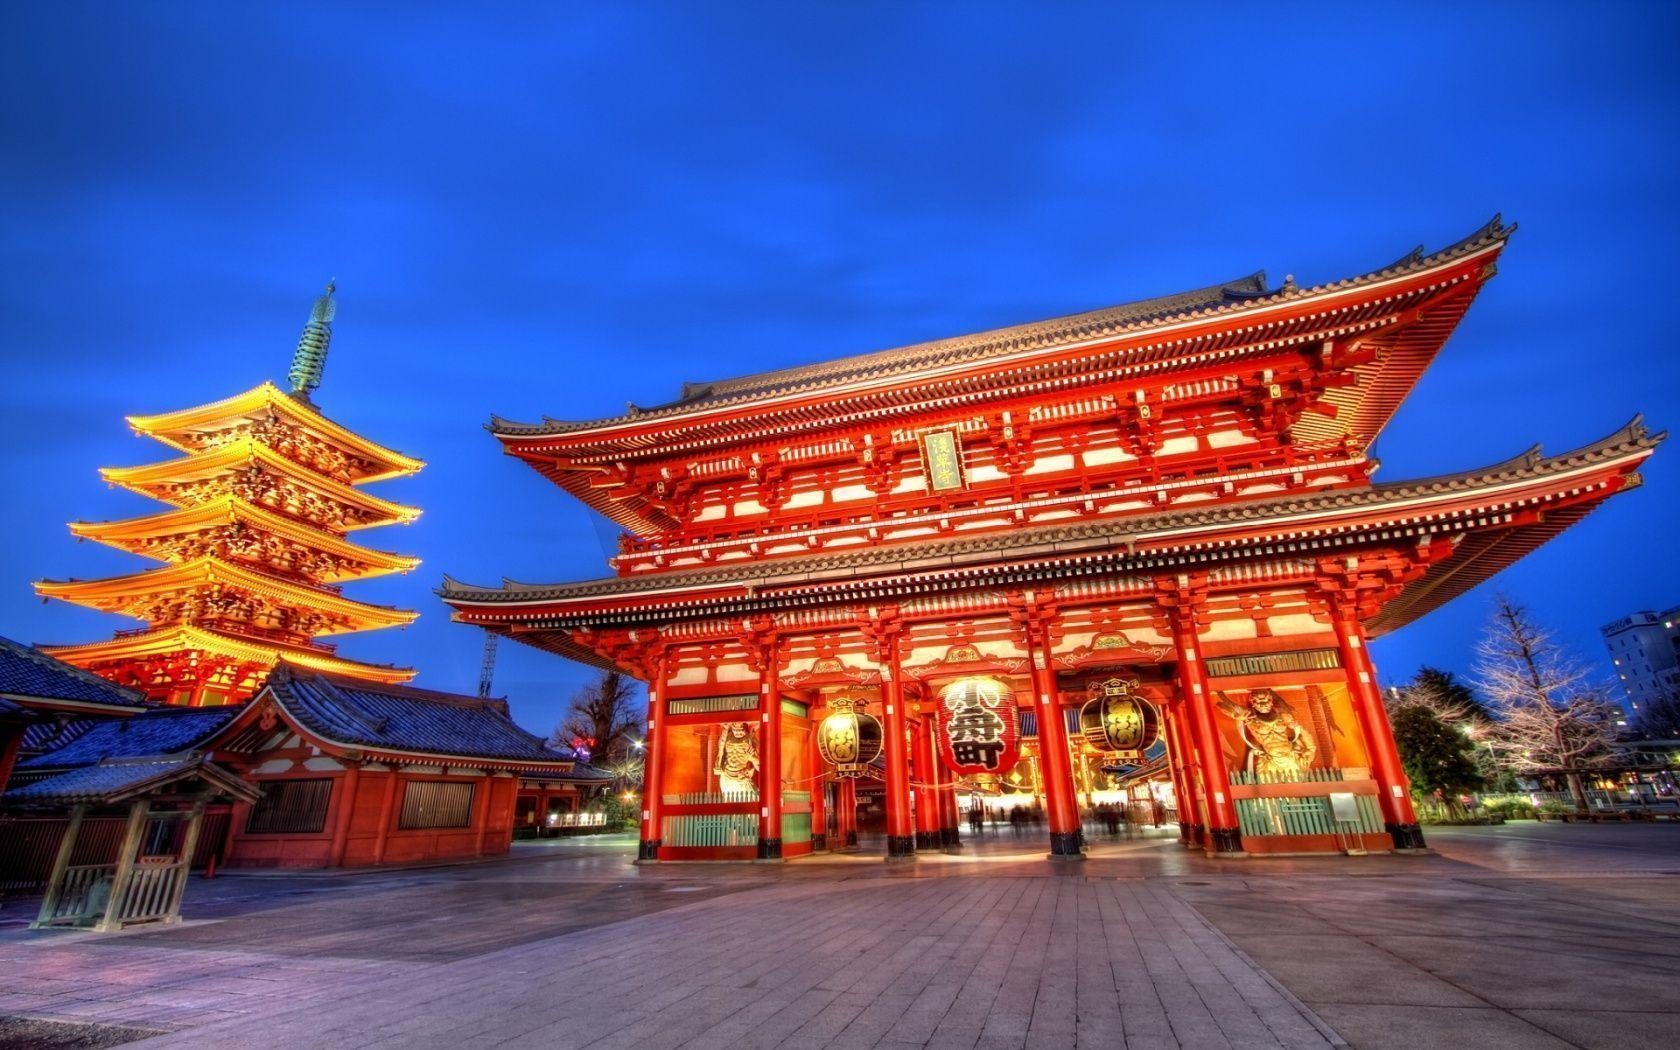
(254, 545)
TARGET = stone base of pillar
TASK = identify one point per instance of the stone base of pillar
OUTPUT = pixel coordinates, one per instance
(1065, 845)
(819, 843)
(769, 849)
(950, 839)
(1407, 837)
(1198, 835)
(1224, 842)
(648, 850)
(928, 840)
(851, 840)
(901, 847)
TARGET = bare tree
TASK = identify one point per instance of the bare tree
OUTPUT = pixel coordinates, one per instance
(605, 719)
(1549, 716)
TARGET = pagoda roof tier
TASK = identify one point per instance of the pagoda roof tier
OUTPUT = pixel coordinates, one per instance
(1411, 307)
(207, 577)
(164, 641)
(229, 525)
(1490, 517)
(209, 426)
(204, 477)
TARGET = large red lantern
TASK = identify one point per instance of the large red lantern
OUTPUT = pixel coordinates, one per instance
(979, 727)
(848, 739)
(1117, 721)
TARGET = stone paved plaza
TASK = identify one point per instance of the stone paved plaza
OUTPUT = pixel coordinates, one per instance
(1522, 936)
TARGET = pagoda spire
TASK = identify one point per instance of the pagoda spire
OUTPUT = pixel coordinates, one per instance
(309, 360)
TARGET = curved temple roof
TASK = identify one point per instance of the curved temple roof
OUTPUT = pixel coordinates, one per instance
(1234, 297)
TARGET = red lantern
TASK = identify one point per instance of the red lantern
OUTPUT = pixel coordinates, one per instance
(979, 727)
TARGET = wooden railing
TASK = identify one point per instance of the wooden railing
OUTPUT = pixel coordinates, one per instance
(720, 829)
(711, 798)
(153, 892)
(1305, 776)
(81, 897)
(1309, 815)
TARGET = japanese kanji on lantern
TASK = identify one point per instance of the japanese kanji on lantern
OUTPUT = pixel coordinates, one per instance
(849, 739)
(979, 728)
(1116, 720)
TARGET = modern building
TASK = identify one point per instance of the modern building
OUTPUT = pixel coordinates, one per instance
(254, 547)
(978, 538)
(1645, 651)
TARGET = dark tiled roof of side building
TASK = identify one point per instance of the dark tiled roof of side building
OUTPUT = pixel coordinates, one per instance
(354, 713)
(27, 672)
(160, 731)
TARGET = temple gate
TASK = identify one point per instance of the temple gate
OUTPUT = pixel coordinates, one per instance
(1006, 546)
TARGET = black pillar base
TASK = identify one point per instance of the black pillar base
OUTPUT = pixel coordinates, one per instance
(1198, 836)
(1183, 833)
(648, 850)
(1224, 840)
(851, 840)
(769, 849)
(1065, 844)
(927, 840)
(950, 838)
(900, 847)
(1406, 836)
(819, 842)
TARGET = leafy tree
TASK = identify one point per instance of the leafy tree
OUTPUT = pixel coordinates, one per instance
(1453, 703)
(1549, 717)
(1435, 753)
(607, 718)
(1447, 694)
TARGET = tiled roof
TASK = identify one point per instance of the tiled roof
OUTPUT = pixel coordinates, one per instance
(1245, 294)
(55, 733)
(358, 714)
(160, 731)
(96, 782)
(27, 672)
(118, 779)
(579, 771)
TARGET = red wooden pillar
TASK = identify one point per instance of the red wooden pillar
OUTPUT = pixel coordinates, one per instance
(653, 762)
(845, 826)
(1392, 784)
(769, 751)
(347, 785)
(819, 789)
(1182, 766)
(387, 812)
(901, 843)
(1223, 835)
(1055, 764)
(950, 819)
(926, 785)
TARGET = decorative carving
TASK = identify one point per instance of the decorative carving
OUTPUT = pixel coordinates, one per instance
(737, 762)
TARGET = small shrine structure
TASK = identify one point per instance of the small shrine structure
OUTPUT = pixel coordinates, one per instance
(979, 538)
(255, 544)
(331, 771)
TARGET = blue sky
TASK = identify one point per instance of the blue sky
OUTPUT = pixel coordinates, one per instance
(555, 209)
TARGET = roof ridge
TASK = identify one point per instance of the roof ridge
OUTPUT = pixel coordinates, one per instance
(1031, 335)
